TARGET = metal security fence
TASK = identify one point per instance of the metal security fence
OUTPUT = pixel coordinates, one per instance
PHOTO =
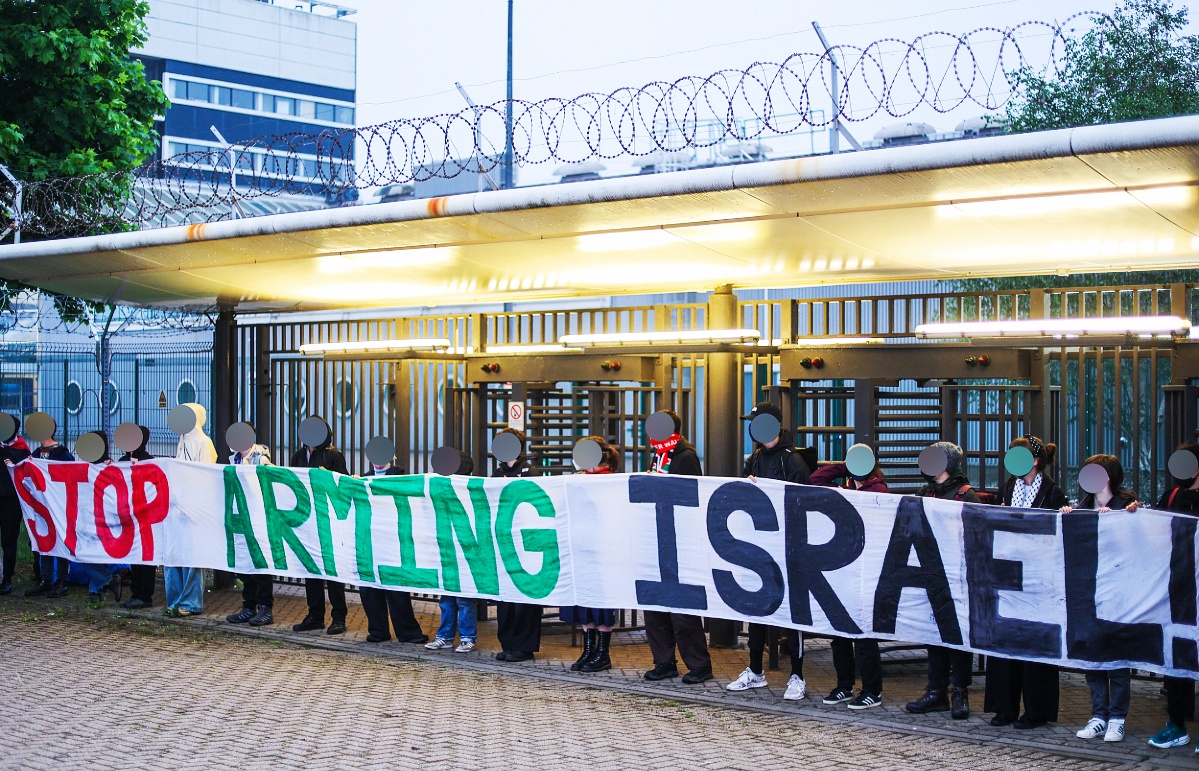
(1131, 401)
(146, 380)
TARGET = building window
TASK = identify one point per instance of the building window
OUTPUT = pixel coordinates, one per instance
(326, 112)
(73, 397)
(186, 392)
(345, 115)
(243, 99)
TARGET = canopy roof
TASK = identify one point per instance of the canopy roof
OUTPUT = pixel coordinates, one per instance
(1100, 198)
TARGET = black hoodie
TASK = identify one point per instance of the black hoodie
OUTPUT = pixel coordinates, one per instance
(781, 462)
(520, 468)
(56, 451)
(140, 453)
(324, 456)
(950, 490)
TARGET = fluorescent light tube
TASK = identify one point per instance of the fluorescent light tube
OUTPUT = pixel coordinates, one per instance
(375, 346)
(1151, 326)
(688, 337)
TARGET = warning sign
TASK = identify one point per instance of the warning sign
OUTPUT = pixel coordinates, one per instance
(162, 400)
(516, 415)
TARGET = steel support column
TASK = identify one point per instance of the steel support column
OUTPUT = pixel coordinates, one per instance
(722, 422)
(224, 400)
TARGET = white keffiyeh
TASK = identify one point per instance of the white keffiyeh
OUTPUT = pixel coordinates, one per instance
(1024, 494)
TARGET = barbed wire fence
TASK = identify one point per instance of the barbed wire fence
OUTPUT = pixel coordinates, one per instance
(941, 71)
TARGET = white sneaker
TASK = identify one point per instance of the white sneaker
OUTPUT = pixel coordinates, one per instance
(747, 680)
(1115, 730)
(796, 688)
(466, 646)
(1093, 729)
(439, 644)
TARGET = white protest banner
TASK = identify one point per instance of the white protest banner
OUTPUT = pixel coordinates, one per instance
(1082, 590)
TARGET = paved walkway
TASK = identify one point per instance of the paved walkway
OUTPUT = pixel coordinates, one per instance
(141, 691)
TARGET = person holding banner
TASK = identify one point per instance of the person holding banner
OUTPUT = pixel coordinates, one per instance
(949, 670)
(52, 572)
(101, 578)
(846, 652)
(13, 450)
(385, 608)
(144, 577)
(774, 457)
(185, 585)
(597, 623)
(257, 589)
(666, 631)
(1008, 679)
(518, 624)
(1111, 689)
(1182, 499)
(318, 452)
(459, 615)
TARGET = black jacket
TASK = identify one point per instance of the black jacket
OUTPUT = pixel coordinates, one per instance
(684, 460)
(326, 456)
(950, 490)
(1120, 501)
(519, 469)
(55, 451)
(392, 471)
(1050, 496)
(140, 453)
(781, 462)
(16, 452)
(1184, 501)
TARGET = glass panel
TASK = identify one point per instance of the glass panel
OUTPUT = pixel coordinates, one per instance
(178, 89)
(243, 99)
(197, 91)
(325, 111)
(306, 109)
(345, 115)
(285, 105)
(221, 95)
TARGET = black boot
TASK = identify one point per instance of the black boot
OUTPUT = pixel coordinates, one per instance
(40, 589)
(600, 661)
(590, 636)
(960, 698)
(58, 590)
(933, 700)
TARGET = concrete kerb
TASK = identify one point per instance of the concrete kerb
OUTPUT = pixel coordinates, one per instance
(544, 669)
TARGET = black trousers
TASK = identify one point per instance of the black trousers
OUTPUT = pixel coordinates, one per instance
(757, 645)
(1180, 700)
(259, 589)
(314, 592)
(949, 667)
(862, 653)
(10, 528)
(379, 604)
(1008, 680)
(142, 584)
(666, 631)
(518, 626)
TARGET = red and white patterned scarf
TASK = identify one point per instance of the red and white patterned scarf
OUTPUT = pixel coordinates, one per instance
(662, 450)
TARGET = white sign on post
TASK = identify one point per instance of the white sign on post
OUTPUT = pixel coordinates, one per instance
(516, 415)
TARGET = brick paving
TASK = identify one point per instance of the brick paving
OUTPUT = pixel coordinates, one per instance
(205, 694)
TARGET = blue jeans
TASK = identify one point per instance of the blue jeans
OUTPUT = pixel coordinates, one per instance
(185, 588)
(1110, 692)
(461, 614)
(98, 576)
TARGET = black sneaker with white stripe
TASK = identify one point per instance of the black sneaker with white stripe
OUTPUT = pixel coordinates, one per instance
(839, 696)
(866, 701)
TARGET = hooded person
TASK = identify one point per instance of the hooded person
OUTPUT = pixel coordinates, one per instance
(143, 577)
(184, 585)
(102, 577)
(667, 632)
(328, 457)
(949, 671)
(385, 608)
(776, 459)
(12, 452)
(257, 589)
(518, 624)
(52, 571)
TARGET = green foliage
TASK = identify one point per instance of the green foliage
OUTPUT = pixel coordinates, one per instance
(1148, 277)
(1136, 66)
(73, 104)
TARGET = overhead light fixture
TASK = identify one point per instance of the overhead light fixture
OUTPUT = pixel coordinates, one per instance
(1145, 327)
(687, 337)
(825, 342)
(528, 350)
(417, 345)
